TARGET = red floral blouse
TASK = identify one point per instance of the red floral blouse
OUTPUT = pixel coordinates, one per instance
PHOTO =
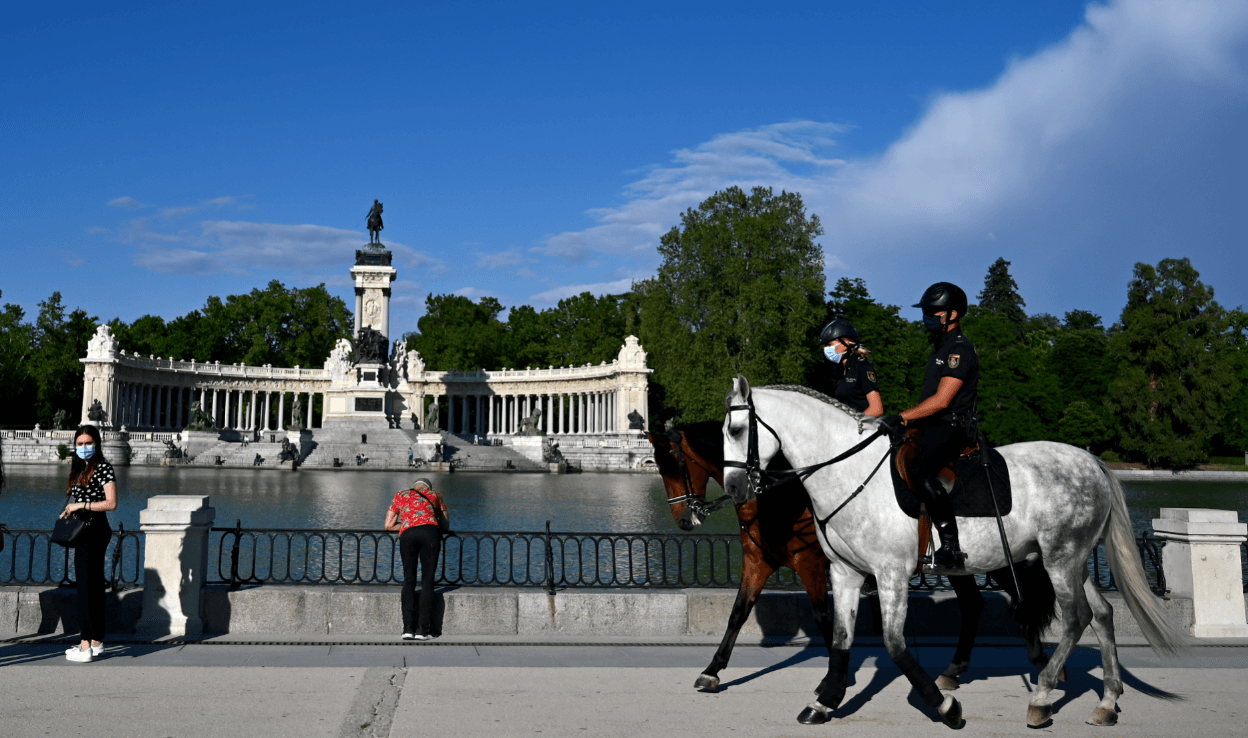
(413, 509)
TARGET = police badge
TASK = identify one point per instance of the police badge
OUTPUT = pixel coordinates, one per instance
(954, 360)
(871, 376)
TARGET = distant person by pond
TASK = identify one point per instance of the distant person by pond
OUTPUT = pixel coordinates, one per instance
(93, 491)
(420, 516)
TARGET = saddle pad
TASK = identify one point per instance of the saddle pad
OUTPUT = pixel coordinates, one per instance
(970, 494)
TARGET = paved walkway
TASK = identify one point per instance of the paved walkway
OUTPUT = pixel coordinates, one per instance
(362, 686)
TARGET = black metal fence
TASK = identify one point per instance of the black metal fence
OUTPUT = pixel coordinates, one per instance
(533, 559)
(31, 558)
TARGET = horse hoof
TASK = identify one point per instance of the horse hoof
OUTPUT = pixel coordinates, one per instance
(814, 714)
(1103, 716)
(951, 712)
(707, 683)
(1039, 716)
(947, 683)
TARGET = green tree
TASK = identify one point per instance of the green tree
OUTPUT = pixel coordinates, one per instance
(584, 329)
(1016, 393)
(16, 386)
(456, 333)
(1170, 396)
(740, 289)
(60, 340)
(1000, 295)
(1233, 436)
(898, 347)
(1081, 425)
(1079, 361)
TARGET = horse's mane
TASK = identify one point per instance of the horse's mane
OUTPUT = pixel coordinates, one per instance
(851, 412)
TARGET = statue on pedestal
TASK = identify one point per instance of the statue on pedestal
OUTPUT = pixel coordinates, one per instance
(199, 418)
(371, 347)
(528, 424)
(296, 415)
(635, 421)
(374, 223)
(431, 418)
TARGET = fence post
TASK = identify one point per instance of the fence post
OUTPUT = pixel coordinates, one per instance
(1201, 561)
(550, 564)
(238, 541)
(175, 563)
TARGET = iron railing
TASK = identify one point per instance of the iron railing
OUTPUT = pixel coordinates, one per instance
(534, 559)
(31, 558)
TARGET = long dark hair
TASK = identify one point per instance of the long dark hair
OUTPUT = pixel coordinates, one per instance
(80, 471)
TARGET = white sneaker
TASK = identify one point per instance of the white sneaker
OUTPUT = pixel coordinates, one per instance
(97, 651)
(422, 637)
(77, 654)
(409, 637)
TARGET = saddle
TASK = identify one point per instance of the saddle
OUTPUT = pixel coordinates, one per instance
(971, 495)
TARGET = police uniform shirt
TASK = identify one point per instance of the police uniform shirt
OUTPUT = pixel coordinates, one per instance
(857, 381)
(954, 357)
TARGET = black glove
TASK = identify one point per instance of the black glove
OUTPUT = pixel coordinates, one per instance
(894, 426)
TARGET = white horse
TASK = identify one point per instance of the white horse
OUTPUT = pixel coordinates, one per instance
(1064, 499)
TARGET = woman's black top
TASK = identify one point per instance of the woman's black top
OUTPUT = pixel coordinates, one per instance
(93, 490)
(857, 381)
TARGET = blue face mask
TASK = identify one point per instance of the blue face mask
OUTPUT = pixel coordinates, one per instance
(830, 352)
(85, 452)
(932, 323)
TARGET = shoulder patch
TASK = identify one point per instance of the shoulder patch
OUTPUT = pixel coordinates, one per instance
(954, 360)
(871, 376)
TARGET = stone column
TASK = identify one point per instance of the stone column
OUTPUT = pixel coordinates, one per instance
(281, 410)
(268, 410)
(175, 563)
(1201, 561)
(463, 415)
(307, 416)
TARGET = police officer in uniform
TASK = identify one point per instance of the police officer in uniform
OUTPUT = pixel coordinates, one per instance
(857, 386)
(946, 413)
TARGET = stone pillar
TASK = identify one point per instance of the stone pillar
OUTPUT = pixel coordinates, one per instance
(281, 410)
(1201, 561)
(463, 415)
(175, 563)
(268, 410)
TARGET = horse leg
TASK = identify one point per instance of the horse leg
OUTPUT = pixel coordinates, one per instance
(1106, 713)
(893, 605)
(754, 573)
(1076, 614)
(846, 584)
(812, 568)
(971, 606)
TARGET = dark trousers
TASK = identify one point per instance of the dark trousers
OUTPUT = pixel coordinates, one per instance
(941, 443)
(89, 571)
(419, 543)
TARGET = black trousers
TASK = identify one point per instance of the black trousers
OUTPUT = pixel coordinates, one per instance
(420, 543)
(941, 443)
(89, 571)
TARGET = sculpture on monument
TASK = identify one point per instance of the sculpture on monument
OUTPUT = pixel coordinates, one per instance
(550, 451)
(199, 418)
(296, 416)
(635, 421)
(374, 223)
(289, 451)
(528, 424)
(58, 420)
(370, 347)
(431, 418)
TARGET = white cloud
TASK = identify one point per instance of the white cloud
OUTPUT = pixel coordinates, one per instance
(554, 295)
(1121, 143)
(509, 258)
(473, 293)
(126, 202)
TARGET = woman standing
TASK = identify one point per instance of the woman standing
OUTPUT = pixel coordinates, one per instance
(857, 385)
(93, 492)
(416, 513)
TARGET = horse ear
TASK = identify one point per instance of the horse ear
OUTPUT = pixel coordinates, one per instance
(743, 387)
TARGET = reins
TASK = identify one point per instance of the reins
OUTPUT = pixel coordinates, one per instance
(697, 505)
(760, 480)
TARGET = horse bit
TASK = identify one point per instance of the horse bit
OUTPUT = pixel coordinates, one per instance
(697, 505)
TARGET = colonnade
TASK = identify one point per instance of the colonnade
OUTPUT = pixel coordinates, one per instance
(169, 407)
(563, 413)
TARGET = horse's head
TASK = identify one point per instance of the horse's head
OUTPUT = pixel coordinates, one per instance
(684, 477)
(746, 451)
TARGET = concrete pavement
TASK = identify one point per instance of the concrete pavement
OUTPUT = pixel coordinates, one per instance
(366, 686)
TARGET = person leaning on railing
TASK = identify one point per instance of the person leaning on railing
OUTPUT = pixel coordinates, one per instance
(416, 514)
(93, 489)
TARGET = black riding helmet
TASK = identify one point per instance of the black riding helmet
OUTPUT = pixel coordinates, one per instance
(839, 328)
(943, 296)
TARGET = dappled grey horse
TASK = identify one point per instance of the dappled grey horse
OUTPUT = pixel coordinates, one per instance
(1064, 500)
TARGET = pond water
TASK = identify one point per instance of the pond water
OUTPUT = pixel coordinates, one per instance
(478, 502)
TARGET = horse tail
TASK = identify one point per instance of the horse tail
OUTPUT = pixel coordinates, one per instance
(1124, 562)
(1037, 608)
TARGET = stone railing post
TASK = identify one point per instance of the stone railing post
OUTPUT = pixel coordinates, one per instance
(1201, 561)
(175, 563)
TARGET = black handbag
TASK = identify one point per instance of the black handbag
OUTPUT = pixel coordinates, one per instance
(70, 531)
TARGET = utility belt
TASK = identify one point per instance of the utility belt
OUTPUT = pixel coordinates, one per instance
(965, 423)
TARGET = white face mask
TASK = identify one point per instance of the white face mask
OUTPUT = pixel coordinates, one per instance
(833, 356)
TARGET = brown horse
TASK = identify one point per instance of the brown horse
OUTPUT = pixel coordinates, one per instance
(779, 530)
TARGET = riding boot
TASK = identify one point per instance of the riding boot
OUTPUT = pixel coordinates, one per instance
(949, 555)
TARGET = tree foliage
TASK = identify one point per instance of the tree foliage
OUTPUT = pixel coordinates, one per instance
(1000, 295)
(1172, 385)
(740, 290)
(898, 347)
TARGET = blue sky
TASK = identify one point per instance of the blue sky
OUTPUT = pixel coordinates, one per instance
(154, 155)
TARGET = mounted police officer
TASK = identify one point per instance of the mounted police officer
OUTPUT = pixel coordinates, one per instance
(857, 385)
(946, 414)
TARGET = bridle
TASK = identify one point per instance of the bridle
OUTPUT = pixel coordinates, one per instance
(760, 480)
(695, 505)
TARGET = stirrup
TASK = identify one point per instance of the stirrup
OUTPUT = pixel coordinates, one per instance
(947, 567)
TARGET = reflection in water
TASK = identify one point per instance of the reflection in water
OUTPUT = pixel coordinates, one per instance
(478, 502)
